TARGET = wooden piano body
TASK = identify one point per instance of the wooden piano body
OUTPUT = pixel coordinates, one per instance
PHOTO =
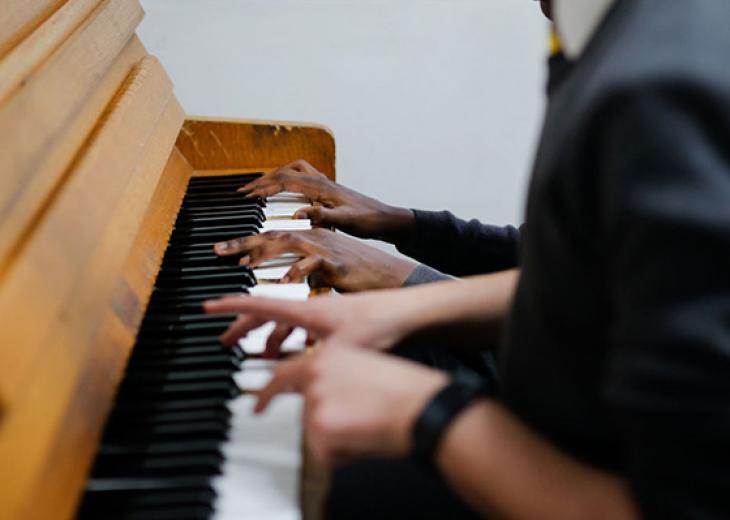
(95, 154)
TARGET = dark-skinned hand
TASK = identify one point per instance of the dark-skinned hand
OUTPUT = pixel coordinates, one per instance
(330, 259)
(339, 207)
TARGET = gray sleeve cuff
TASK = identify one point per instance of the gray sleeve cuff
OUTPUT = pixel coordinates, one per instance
(424, 274)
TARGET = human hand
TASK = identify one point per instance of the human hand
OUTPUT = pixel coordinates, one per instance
(375, 320)
(341, 207)
(356, 403)
(331, 259)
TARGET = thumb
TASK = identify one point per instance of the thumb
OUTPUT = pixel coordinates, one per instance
(320, 216)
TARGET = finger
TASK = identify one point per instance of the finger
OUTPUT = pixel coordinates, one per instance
(239, 328)
(264, 180)
(313, 187)
(269, 309)
(325, 217)
(237, 245)
(290, 375)
(276, 243)
(299, 271)
(275, 340)
(266, 190)
(282, 179)
(319, 215)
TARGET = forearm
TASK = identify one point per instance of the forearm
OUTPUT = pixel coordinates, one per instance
(479, 304)
(503, 468)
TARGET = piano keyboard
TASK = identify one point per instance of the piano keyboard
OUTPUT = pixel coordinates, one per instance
(181, 441)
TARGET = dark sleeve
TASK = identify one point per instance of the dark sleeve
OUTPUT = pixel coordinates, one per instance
(458, 247)
(666, 210)
(424, 274)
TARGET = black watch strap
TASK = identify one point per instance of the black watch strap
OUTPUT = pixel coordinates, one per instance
(440, 411)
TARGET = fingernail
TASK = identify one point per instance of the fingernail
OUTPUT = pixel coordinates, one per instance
(221, 246)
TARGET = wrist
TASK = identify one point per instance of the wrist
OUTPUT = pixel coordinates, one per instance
(397, 224)
(400, 269)
(411, 404)
(442, 412)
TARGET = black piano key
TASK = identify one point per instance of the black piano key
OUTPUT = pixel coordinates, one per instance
(153, 343)
(180, 391)
(144, 499)
(233, 183)
(207, 359)
(215, 233)
(159, 317)
(212, 179)
(210, 430)
(151, 466)
(240, 226)
(171, 448)
(188, 354)
(193, 292)
(133, 406)
(214, 207)
(176, 362)
(203, 260)
(222, 218)
(152, 375)
(223, 192)
(109, 485)
(164, 513)
(219, 200)
(214, 328)
(220, 413)
(157, 505)
(175, 270)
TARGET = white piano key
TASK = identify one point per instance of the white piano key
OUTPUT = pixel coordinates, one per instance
(288, 260)
(286, 225)
(287, 291)
(254, 374)
(271, 273)
(283, 209)
(254, 343)
(263, 457)
(288, 196)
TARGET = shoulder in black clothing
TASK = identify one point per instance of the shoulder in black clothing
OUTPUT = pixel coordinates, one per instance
(619, 343)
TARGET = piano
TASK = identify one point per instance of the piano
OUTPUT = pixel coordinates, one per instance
(116, 401)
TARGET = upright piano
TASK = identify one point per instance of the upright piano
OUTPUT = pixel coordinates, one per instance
(115, 400)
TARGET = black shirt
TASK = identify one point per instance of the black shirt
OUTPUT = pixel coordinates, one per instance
(618, 348)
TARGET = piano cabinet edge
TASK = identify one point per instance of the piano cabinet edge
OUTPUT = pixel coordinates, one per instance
(103, 372)
(247, 145)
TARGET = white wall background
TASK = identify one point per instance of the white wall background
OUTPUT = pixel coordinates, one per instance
(434, 104)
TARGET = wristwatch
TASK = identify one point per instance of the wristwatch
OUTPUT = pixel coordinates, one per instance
(441, 410)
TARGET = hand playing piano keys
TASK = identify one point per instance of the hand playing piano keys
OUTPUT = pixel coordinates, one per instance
(330, 259)
(340, 207)
(376, 320)
(356, 402)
